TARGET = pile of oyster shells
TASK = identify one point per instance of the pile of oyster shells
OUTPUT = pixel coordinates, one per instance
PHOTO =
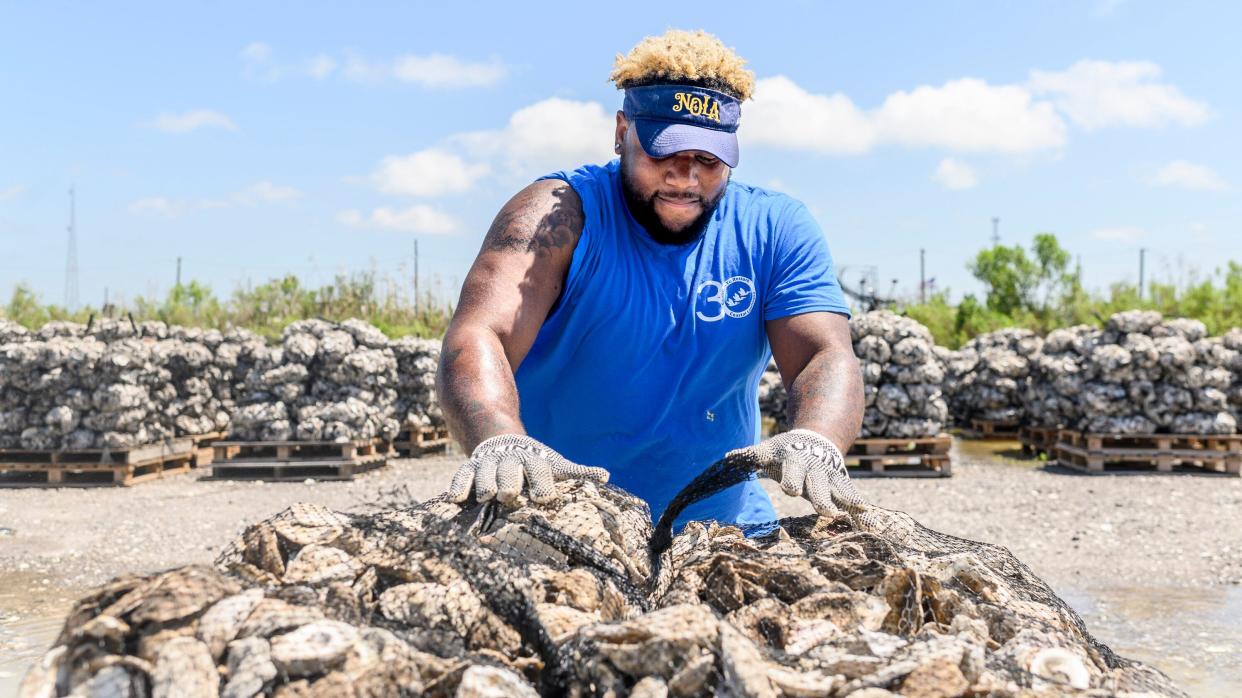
(902, 371)
(988, 378)
(565, 599)
(118, 383)
(417, 361)
(110, 385)
(1232, 340)
(1141, 374)
(325, 382)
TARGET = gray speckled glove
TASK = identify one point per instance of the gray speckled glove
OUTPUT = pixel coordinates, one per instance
(498, 466)
(808, 465)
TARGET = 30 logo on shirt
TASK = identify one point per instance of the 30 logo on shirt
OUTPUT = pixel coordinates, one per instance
(733, 297)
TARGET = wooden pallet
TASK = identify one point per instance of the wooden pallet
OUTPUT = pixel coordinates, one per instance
(989, 430)
(417, 441)
(896, 465)
(93, 467)
(1037, 440)
(1101, 453)
(288, 461)
(935, 445)
(204, 447)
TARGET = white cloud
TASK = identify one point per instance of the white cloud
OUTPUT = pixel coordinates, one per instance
(1187, 175)
(1118, 234)
(259, 63)
(441, 70)
(157, 205)
(437, 70)
(321, 66)
(1106, 8)
(262, 192)
(955, 174)
(192, 120)
(265, 192)
(1095, 94)
(12, 192)
(358, 69)
(257, 52)
(431, 172)
(970, 115)
(418, 218)
(548, 134)
(784, 115)
(961, 115)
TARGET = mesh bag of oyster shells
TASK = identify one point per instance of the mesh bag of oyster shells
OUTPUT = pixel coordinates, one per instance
(112, 384)
(1140, 374)
(325, 382)
(902, 371)
(1232, 340)
(989, 377)
(417, 361)
(582, 596)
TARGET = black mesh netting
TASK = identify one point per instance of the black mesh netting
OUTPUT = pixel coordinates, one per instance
(583, 597)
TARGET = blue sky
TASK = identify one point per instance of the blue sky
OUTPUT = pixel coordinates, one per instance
(254, 139)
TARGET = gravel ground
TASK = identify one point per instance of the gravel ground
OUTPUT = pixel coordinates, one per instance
(1152, 562)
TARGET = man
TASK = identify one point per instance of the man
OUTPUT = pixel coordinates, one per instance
(620, 316)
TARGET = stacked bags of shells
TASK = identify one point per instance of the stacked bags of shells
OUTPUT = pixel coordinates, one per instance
(417, 361)
(326, 382)
(111, 385)
(989, 377)
(902, 370)
(1141, 374)
(1232, 340)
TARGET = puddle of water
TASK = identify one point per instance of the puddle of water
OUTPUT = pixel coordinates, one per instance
(32, 611)
(1193, 635)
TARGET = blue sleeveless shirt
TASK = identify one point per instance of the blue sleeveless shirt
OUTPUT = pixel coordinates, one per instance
(649, 363)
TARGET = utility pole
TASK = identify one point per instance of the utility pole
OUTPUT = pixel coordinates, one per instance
(922, 275)
(71, 259)
(995, 231)
(178, 272)
(1142, 270)
(416, 276)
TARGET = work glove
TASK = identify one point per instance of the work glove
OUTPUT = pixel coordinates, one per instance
(807, 465)
(498, 466)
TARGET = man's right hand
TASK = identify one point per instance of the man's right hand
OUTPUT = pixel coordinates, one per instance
(499, 465)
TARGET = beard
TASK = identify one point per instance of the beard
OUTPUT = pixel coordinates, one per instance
(644, 212)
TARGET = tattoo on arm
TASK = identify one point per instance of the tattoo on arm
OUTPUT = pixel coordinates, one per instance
(826, 396)
(518, 230)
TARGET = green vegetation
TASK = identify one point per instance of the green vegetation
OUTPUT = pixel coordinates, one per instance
(265, 309)
(1031, 287)
(1038, 290)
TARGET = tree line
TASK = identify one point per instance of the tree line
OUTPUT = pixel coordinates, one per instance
(265, 309)
(1037, 288)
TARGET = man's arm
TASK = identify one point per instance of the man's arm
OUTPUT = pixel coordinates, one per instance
(513, 284)
(816, 359)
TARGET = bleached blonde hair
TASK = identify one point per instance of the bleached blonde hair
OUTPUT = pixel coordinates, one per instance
(683, 57)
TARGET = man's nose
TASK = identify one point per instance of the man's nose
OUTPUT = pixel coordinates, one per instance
(682, 171)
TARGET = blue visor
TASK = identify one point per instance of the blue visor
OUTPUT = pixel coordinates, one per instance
(671, 118)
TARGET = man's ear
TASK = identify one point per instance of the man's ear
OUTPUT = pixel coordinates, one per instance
(623, 125)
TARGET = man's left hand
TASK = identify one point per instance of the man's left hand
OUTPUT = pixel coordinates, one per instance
(809, 465)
